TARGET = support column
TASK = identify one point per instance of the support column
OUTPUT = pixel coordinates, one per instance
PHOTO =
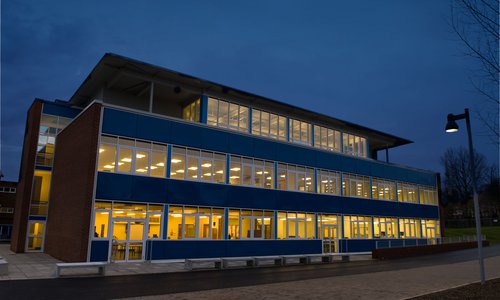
(203, 109)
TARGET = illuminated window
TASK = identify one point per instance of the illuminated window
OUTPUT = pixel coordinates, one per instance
(191, 222)
(107, 154)
(293, 225)
(354, 145)
(300, 132)
(328, 182)
(251, 224)
(227, 115)
(40, 193)
(357, 227)
(251, 172)
(428, 195)
(193, 164)
(191, 112)
(355, 186)
(407, 192)
(295, 178)
(430, 229)
(409, 228)
(269, 125)
(385, 227)
(326, 138)
(383, 189)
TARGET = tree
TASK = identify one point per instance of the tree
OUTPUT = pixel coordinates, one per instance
(476, 23)
(457, 176)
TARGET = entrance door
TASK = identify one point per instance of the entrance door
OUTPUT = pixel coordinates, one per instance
(36, 230)
(330, 239)
(128, 240)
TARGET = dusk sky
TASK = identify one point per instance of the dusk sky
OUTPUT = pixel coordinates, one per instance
(394, 66)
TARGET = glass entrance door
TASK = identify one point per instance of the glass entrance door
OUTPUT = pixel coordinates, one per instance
(36, 230)
(330, 239)
(128, 240)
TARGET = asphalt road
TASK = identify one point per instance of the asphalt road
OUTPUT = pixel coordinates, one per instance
(158, 284)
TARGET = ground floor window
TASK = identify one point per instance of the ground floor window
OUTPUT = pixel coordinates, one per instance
(385, 227)
(357, 227)
(430, 229)
(250, 224)
(292, 225)
(409, 228)
(193, 222)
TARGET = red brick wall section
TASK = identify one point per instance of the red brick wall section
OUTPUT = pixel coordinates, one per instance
(72, 188)
(23, 195)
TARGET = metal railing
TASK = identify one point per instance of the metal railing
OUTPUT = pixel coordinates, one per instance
(401, 243)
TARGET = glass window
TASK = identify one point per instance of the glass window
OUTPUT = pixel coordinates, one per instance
(354, 145)
(227, 115)
(124, 160)
(409, 228)
(407, 192)
(191, 112)
(251, 224)
(292, 225)
(158, 160)
(190, 222)
(385, 227)
(40, 193)
(430, 229)
(328, 182)
(251, 172)
(355, 186)
(357, 227)
(107, 157)
(383, 189)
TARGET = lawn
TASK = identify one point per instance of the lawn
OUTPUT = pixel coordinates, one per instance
(492, 233)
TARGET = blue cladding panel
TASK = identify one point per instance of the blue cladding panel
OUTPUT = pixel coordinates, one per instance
(180, 133)
(99, 251)
(148, 189)
(161, 249)
(60, 110)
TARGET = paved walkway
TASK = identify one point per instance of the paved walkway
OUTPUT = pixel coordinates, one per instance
(400, 284)
(398, 279)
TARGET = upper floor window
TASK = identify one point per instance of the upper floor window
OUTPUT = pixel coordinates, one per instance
(251, 172)
(328, 182)
(326, 138)
(295, 178)
(191, 112)
(407, 192)
(354, 145)
(383, 189)
(269, 125)
(355, 186)
(227, 115)
(300, 132)
(130, 156)
(194, 164)
(50, 126)
(428, 195)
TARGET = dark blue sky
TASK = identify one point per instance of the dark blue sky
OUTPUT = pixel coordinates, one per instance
(394, 66)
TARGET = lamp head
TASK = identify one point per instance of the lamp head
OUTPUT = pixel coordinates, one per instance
(451, 126)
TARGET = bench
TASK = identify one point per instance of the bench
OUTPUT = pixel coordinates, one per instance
(189, 263)
(302, 259)
(325, 258)
(346, 257)
(250, 261)
(101, 266)
(4, 266)
(277, 260)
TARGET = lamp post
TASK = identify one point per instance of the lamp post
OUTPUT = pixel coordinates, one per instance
(452, 126)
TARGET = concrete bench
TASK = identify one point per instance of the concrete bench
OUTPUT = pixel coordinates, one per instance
(190, 263)
(325, 258)
(4, 267)
(250, 261)
(101, 266)
(277, 260)
(346, 257)
(301, 259)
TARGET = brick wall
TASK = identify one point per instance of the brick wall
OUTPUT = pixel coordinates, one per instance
(72, 187)
(23, 195)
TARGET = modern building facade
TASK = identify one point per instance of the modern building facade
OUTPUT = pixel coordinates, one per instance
(145, 163)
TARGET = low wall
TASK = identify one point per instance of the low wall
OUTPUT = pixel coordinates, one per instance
(392, 253)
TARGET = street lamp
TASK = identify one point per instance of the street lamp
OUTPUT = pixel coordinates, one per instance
(452, 126)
